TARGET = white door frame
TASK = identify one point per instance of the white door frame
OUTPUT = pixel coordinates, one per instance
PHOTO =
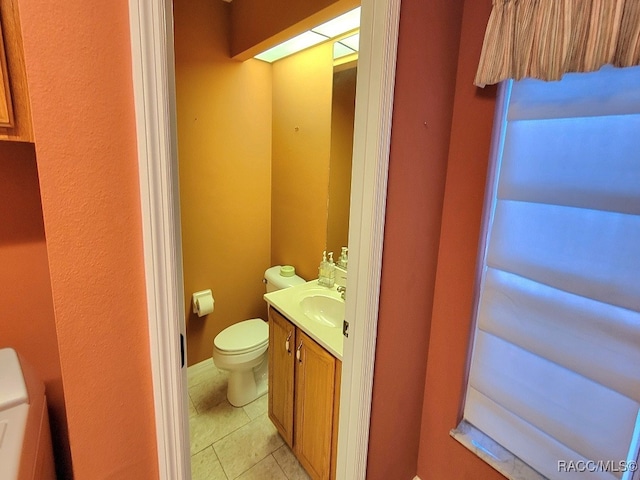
(154, 91)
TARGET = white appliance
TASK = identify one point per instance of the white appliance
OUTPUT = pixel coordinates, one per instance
(241, 348)
(25, 438)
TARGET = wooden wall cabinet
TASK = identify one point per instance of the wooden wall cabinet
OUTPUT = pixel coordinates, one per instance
(15, 109)
(304, 396)
(6, 105)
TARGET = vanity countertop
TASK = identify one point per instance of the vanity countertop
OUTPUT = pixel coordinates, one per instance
(288, 302)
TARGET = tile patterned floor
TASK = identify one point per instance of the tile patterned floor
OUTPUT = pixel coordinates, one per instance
(229, 443)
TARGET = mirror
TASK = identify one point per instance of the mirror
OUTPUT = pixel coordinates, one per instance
(312, 145)
(342, 119)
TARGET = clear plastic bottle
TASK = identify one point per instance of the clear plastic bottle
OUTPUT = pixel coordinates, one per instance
(327, 271)
(322, 269)
(331, 271)
(342, 261)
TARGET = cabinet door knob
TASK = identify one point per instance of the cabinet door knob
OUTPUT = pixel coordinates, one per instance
(286, 344)
(298, 356)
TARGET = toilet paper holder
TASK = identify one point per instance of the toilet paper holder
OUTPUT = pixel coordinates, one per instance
(202, 302)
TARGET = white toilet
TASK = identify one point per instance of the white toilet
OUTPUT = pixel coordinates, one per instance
(242, 348)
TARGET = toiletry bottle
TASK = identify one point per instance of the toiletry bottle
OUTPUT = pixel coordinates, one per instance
(322, 270)
(331, 271)
(342, 261)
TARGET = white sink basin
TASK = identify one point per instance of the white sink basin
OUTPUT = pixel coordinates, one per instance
(327, 311)
(318, 311)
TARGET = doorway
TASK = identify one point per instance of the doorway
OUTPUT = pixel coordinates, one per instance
(152, 44)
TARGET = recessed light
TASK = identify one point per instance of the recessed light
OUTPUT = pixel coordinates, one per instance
(333, 28)
(339, 25)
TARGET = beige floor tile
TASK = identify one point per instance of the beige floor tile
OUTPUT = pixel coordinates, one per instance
(258, 407)
(210, 392)
(213, 425)
(206, 466)
(266, 469)
(192, 408)
(289, 464)
(245, 447)
(200, 372)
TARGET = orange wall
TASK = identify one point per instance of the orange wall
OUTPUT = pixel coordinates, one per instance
(27, 321)
(78, 63)
(257, 25)
(302, 86)
(224, 150)
(78, 59)
(342, 116)
(424, 90)
(440, 456)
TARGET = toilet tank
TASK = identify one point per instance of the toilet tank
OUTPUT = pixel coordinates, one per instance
(279, 277)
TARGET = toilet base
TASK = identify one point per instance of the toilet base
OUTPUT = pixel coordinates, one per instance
(245, 386)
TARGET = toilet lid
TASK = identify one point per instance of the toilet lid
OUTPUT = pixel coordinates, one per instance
(246, 335)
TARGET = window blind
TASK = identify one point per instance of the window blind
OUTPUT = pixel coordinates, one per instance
(554, 374)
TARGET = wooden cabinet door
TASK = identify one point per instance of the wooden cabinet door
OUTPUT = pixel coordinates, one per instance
(281, 371)
(336, 420)
(315, 382)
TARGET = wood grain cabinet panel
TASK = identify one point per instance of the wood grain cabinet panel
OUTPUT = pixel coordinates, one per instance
(315, 382)
(15, 107)
(6, 106)
(281, 373)
(336, 418)
(304, 396)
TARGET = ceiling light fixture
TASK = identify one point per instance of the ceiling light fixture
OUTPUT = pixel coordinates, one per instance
(346, 46)
(331, 29)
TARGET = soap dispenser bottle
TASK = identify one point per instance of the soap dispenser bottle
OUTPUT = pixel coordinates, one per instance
(322, 270)
(331, 271)
(327, 270)
(342, 261)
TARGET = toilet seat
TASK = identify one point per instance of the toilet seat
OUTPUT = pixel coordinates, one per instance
(243, 337)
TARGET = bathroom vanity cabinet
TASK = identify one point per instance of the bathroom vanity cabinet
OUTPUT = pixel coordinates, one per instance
(304, 395)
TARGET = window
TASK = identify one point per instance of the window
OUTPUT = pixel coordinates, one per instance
(554, 375)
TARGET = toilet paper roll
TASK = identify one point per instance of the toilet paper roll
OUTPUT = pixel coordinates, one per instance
(203, 303)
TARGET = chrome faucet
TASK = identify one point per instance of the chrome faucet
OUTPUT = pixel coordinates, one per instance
(343, 292)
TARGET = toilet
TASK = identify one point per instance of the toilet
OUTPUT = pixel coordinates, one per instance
(241, 349)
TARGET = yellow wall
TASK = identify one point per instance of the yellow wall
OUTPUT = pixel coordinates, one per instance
(253, 146)
(342, 117)
(224, 149)
(300, 163)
